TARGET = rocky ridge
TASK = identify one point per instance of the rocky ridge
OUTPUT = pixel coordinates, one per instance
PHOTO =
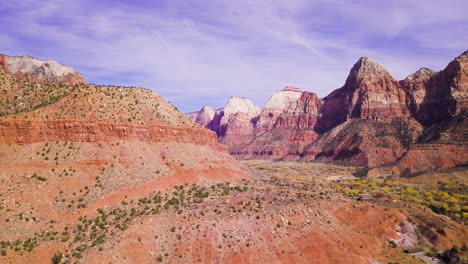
(38, 71)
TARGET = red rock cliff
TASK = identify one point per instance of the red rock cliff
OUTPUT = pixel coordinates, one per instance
(370, 92)
(439, 96)
(25, 131)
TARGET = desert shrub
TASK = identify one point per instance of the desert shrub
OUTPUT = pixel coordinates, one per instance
(361, 172)
(57, 258)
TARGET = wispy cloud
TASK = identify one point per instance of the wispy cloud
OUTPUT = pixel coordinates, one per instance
(196, 52)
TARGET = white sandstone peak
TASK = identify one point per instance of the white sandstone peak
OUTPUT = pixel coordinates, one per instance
(239, 105)
(242, 105)
(40, 68)
(208, 111)
(282, 99)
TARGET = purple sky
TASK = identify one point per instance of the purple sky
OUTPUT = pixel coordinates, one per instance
(203, 52)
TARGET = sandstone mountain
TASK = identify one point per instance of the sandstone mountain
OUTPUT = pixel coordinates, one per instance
(436, 97)
(234, 124)
(275, 106)
(38, 71)
(204, 116)
(370, 92)
(373, 121)
(433, 99)
(67, 150)
(284, 126)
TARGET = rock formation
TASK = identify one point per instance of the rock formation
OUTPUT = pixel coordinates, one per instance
(274, 107)
(301, 113)
(364, 142)
(432, 98)
(38, 71)
(234, 124)
(284, 127)
(416, 84)
(204, 116)
(439, 96)
(238, 108)
(370, 92)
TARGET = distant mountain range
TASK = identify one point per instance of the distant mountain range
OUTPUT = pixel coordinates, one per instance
(389, 126)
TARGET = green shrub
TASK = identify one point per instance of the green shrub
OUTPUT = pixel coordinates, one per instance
(57, 258)
(361, 172)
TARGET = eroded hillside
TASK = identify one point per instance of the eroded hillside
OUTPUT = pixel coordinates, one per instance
(66, 151)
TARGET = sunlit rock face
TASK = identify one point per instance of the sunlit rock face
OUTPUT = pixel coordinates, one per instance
(35, 70)
(370, 92)
(278, 102)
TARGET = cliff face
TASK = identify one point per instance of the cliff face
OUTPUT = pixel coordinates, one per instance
(439, 96)
(275, 106)
(37, 71)
(284, 127)
(237, 110)
(432, 98)
(29, 131)
(301, 113)
(234, 124)
(365, 142)
(370, 92)
(416, 84)
(238, 130)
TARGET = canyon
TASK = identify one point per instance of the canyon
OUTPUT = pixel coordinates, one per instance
(111, 174)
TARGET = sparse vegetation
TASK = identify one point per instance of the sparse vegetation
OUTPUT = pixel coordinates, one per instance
(40, 178)
(361, 172)
(57, 258)
(95, 230)
(444, 197)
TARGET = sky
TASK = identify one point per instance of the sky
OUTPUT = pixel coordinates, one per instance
(197, 52)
